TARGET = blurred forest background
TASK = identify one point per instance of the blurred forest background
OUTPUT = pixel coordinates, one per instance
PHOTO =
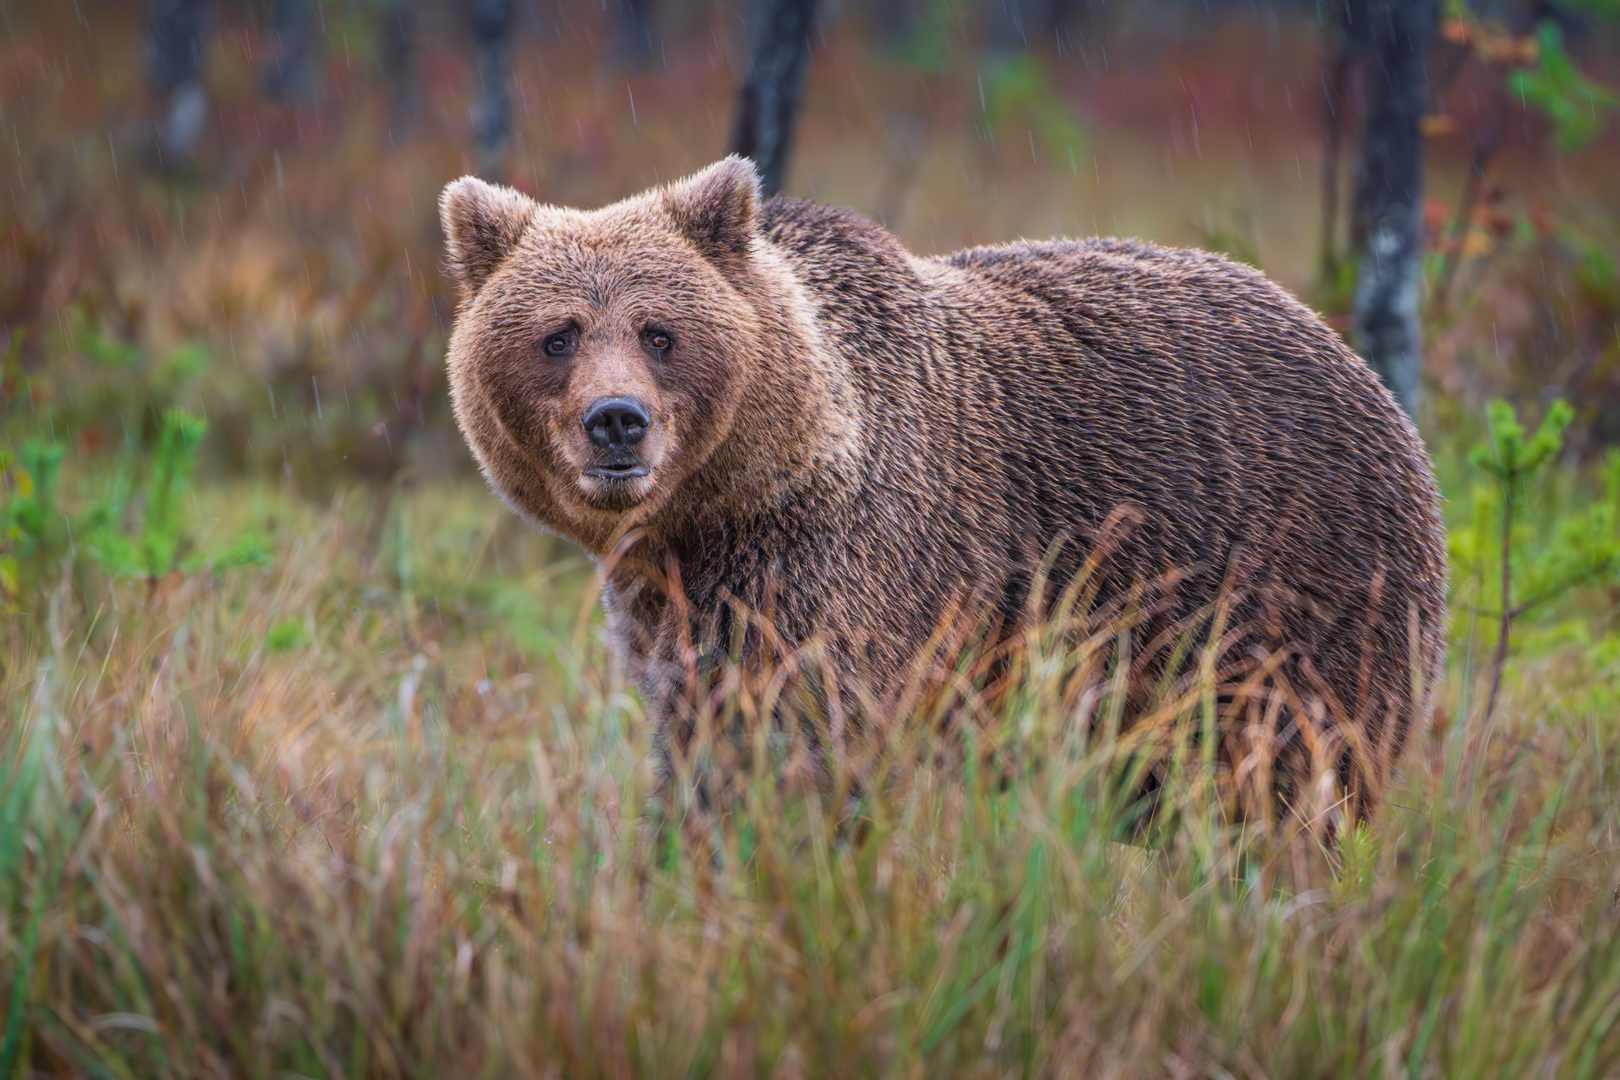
(230, 206)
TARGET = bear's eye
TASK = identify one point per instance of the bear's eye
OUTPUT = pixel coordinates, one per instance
(559, 344)
(658, 341)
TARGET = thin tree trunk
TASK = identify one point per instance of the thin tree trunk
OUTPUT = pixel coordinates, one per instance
(1473, 188)
(396, 47)
(768, 100)
(634, 33)
(1389, 191)
(1485, 145)
(1332, 165)
(492, 110)
(175, 35)
(1010, 24)
(288, 71)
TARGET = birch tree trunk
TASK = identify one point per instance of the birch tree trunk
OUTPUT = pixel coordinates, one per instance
(175, 37)
(1394, 38)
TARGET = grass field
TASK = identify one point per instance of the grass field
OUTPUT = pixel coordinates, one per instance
(381, 808)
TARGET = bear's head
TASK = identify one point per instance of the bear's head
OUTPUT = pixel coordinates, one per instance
(601, 359)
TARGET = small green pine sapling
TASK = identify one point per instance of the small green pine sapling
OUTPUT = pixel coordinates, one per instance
(172, 466)
(35, 533)
(1584, 548)
(36, 514)
(159, 546)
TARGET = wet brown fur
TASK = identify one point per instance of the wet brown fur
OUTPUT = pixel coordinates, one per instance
(860, 438)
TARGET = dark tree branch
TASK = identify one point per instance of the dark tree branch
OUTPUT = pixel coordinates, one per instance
(1485, 145)
(768, 100)
(1333, 122)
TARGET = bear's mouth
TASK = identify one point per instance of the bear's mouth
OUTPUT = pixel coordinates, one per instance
(616, 470)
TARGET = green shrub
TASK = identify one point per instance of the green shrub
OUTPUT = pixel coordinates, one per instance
(285, 635)
(1522, 551)
(36, 534)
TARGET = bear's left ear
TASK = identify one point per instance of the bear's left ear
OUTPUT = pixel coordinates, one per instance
(482, 224)
(718, 210)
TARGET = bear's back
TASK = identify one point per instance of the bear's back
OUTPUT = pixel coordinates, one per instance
(1075, 378)
(1089, 374)
(1179, 379)
(1253, 439)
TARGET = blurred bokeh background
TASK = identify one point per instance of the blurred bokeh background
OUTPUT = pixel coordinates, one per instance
(229, 206)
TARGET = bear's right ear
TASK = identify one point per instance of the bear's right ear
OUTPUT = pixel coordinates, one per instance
(482, 224)
(718, 210)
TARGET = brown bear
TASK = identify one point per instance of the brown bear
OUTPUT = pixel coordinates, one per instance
(775, 404)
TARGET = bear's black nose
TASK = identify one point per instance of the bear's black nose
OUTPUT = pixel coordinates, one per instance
(615, 423)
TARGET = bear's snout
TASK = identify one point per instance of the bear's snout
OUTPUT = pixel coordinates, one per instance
(616, 426)
(616, 423)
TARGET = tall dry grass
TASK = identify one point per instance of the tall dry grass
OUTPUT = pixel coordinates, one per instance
(399, 821)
